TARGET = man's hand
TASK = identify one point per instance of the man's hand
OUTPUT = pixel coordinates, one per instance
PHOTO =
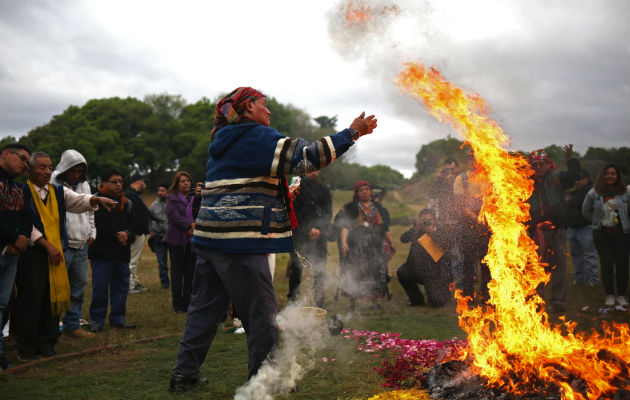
(21, 244)
(90, 241)
(104, 202)
(122, 237)
(364, 125)
(344, 248)
(568, 151)
(54, 254)
(11, 251)
(191, 230)
(314, 234)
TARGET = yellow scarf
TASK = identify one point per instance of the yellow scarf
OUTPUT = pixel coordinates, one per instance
(57, 274)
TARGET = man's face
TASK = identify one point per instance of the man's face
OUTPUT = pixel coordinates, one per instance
(15, 161)
(450, 170)
(427, 222)
(73, 175)
(41, 172)
(114, 185)
(162, 192)
(540, 168)
(257, 111)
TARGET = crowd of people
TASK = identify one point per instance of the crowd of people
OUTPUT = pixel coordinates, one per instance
(219, 233)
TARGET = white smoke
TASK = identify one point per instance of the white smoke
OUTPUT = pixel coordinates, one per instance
(301, 337)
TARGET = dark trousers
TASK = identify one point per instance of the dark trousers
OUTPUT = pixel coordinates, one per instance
(613, 251)
(409, 279)
(36, 328)
(244, 279)
(161, 252)
(474, 246)
(110, 283)
(318, 263)
(182, 272)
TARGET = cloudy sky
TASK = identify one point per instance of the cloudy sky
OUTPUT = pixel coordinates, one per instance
(552, 71)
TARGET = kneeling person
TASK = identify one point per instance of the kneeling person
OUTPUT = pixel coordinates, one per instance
(421, 268)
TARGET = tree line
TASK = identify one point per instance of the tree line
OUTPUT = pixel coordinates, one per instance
(162, 133)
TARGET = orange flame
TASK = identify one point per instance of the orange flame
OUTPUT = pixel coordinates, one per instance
(358, 14)
(511, 342)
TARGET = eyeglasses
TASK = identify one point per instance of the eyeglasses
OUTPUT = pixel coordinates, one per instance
(117, 182)
(21, 156)
(539, 164)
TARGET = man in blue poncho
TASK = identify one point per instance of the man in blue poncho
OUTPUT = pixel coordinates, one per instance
(246, 213)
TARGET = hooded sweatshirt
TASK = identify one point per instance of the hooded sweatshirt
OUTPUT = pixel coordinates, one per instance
(243, 208)
(81, 226)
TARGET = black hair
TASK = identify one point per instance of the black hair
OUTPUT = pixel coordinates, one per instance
(164, 185)
(16, 146)
(108, 173)
(426, 211)
(450, 160)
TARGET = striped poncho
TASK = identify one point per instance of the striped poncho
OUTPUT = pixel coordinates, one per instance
(243, 209)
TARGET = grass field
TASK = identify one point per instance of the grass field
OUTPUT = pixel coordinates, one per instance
(136, 364)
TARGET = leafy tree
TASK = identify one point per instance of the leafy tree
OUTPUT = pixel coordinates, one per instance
(432, 155)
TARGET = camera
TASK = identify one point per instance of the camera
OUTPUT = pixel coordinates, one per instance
(427, 222)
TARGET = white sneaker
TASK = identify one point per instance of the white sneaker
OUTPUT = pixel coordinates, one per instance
(622, 301)
(610, 300)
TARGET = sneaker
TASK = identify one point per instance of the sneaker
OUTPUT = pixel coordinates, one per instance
(180, 383)
(138, 289)
(610, 300)
(622, 301)
(24, 358)
(80, 334)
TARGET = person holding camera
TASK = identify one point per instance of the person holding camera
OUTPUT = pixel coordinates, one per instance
(427, 263)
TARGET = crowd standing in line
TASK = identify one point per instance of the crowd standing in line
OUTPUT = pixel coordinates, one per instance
(219, 237)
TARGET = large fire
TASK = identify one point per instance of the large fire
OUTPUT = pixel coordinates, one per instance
(512, 343)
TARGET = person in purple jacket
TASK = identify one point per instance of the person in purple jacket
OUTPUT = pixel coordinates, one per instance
(180, 229)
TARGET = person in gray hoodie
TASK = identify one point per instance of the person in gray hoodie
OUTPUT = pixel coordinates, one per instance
(72, 173)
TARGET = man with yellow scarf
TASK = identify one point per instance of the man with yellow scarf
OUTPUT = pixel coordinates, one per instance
(42, 279)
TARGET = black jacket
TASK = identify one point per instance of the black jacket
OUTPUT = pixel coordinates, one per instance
(106, 246)
(14, 217)
(574, 200)
(140, 215)
(313, 209)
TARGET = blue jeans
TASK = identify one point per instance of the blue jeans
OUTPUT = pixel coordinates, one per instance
(584, 255)
(161, 252)
(8, 267)
(77, 266)
(110, 282)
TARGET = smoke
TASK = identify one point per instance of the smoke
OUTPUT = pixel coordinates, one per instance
(302, 335)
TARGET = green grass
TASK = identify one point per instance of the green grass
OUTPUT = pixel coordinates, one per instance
(140, 369)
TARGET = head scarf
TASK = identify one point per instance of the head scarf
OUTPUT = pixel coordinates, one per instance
(230, 109)
(541, 155)
(357, 186)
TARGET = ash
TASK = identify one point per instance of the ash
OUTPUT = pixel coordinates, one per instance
(454, 380)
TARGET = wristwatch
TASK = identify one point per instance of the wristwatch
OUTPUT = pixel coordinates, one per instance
(354, 133)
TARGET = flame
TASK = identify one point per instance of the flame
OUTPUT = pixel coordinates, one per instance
(358, 14)
(511, 342)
